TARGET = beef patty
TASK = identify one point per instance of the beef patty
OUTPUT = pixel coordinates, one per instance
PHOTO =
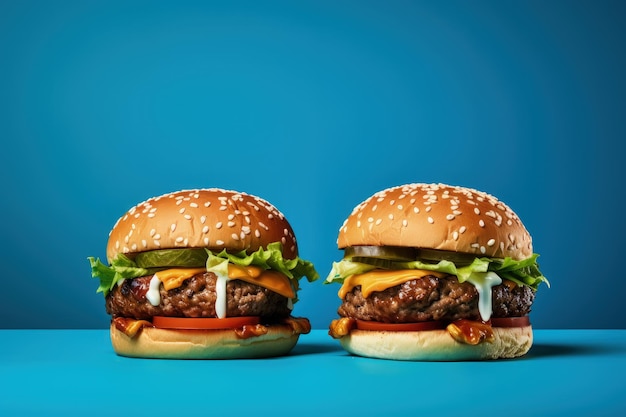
(432, 298)
(195, 298)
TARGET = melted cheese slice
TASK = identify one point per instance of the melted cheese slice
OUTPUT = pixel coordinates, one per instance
(272, 280)
(380, 280)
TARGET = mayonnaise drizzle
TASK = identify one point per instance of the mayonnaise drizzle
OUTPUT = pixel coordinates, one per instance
(220, 293)
(484, 281)
(153, 295)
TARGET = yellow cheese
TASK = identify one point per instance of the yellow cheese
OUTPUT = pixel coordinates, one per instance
(272, 280)
(380, 280)
(173, 278)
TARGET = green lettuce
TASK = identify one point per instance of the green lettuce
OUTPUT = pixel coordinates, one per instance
(121, 268)
(524, 272)
(271, 257)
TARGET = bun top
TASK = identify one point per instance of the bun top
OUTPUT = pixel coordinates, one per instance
(437, 216)
(205, 218)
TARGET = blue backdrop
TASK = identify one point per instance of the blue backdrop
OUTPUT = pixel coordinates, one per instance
(313, 105)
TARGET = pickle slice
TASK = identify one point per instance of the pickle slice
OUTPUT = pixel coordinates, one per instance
(172, 258)
(385, 256)
(434, 255)
(391, 253)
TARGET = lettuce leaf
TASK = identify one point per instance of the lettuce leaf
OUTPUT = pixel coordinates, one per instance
(524, 272)
(123, 267)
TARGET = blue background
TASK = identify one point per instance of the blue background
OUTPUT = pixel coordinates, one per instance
(314, 106)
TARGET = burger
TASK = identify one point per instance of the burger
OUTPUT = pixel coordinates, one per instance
(203, 274)
(435, 272)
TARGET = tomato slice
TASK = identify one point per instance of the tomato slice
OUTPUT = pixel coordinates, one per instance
(510, 321)
(400, 327)
(435, 325)
(204, 323)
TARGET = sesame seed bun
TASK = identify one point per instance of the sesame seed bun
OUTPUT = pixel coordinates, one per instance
(206, 218)
(437, 216)
(437, 345)
(153, 342)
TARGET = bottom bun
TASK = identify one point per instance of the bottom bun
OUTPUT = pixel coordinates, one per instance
(152, 342)
(437, 345)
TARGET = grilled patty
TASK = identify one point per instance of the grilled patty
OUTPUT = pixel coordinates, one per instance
(432, 298)
(195, 298)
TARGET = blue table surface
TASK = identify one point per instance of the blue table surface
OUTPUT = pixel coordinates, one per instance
(63, 372)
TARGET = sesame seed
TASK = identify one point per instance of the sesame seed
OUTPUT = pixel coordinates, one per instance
(455, 235)
(286, 232)
(370, 219)
(263, 226)
(235, 236)
(379, 221)
(462, 229)
(223, 208)
(205, 229)
(194, 205)
(230, 224)
(390, 216)
(483, 250)
(188, 216)
(450, 217)
(400, 207)
(481, 223)
(134, 247)
(491, 242)
(428, 209)
(430, 220)
(179, 239)
(218, 225)
(416, 210)
(144, 243)
(151, 215)
(219, 242)
(206, 241)
(231, 216)
(173, 227)
(245, 229)
(207, 204)
(157, 243)
(476, 210)
(157, 236)
(374, 207)
(202, 219)
(257, 233)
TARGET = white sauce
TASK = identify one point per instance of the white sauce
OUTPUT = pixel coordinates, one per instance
(153, 295)
(484, 281)
(220, 292)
